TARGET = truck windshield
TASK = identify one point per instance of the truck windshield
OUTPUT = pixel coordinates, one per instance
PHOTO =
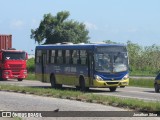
(112, 61)
(14, 56)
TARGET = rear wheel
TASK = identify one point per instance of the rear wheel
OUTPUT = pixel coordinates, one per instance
(53, 82)
(113, 89)
(19, 79)
(156, 86)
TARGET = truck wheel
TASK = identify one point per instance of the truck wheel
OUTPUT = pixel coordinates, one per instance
(156, 86)
(113, 89)
(19, 79)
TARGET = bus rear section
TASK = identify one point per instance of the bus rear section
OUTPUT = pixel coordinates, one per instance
(83, 66)
(13, 65)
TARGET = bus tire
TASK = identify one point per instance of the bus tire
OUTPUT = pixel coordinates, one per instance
(19, 79)
(78, 87)
(156, 86)
(113, 89)
(122, 86)
(53, 82)
(83, 87)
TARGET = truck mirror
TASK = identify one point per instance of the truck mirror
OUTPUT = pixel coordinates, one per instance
(26, 56)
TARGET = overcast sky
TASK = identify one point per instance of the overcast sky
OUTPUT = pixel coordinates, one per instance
(116, 20)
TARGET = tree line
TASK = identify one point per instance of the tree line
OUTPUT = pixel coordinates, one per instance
(144, 59)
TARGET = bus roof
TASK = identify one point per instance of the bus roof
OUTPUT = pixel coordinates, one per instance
(74, 46)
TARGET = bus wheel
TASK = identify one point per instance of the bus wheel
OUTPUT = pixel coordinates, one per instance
(83, 85)
(78, 87)
(156, 86)
(53, 82)
(19, 79)
(113, 89)
(122, 86)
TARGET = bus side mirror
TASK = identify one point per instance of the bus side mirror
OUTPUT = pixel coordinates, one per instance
(0, 56)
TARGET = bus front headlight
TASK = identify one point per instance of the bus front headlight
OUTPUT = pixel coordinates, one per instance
(97, 77)
(126, 77)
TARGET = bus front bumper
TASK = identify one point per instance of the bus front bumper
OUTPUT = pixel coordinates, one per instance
(112, 83)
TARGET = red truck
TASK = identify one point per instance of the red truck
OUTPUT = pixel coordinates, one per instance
(12, 61)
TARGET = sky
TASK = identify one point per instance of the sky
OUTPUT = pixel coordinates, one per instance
(115, 20)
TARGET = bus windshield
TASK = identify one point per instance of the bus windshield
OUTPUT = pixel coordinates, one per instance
(14, 56)
(111, 62)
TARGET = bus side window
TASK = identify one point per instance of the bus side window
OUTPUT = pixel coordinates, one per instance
(38, 56)
(60, 57)
(75, 56)
(67, 57)
(53, 54)
(83, 57)
(48, 56)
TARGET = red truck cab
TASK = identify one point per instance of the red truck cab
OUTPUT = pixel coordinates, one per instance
(13, 64)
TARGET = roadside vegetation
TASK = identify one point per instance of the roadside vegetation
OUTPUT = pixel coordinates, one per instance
(148, 83)
(134, 104)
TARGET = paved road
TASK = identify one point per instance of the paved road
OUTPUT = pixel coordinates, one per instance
(21, 102)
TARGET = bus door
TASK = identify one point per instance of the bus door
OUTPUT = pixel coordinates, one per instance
(44, 61)
(90, 67)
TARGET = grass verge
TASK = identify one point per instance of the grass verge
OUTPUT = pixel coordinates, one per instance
(148, 83)
(31, 76)
(135, 104)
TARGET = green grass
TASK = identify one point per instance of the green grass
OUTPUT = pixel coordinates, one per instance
(142, 73)
(148, 83)
(31, 76)
(135, 104)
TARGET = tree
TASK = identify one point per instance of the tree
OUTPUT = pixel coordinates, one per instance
(57, 29)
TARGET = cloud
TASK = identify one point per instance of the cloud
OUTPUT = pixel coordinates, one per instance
(17, 24)
(90, 26)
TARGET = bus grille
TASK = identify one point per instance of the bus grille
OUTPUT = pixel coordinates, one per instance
(112, 83)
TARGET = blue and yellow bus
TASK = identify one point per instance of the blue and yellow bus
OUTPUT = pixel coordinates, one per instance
(82, 65)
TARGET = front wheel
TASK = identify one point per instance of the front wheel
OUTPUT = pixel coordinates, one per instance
(156, 86)
(122, 86)
(113, 89)
(19, 79)
(83, 87)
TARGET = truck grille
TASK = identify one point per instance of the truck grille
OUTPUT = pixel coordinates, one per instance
(15, 72)
(15, 65)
